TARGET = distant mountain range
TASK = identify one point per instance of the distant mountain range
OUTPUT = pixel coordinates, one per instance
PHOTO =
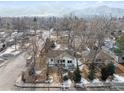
(100, 11)
(59, 9)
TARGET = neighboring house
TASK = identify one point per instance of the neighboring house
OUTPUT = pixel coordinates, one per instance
(109, 43)
(119, 58)
(61, 58)
(110, 53)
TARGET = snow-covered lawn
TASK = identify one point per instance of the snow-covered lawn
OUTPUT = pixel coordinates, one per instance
(67, 83)
(97, 82)
(118, 79)
(10, 51)
(84, 81)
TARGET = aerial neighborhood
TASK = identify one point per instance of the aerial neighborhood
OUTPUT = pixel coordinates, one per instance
(62, 53)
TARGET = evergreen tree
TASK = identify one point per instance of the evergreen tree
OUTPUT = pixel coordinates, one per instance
(103, 73)
(65, 78)
(77, 75)
(107, 71)
(91, 74)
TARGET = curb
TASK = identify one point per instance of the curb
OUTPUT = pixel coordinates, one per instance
(21, 84)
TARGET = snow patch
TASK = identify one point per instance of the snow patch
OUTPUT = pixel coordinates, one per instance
(84, 81)
(57, 46)
(15, 53)
(67, 83)
(11, 50)
(118, 79)
(96, 81)
(88, 49)
(65, 74)
(81, 67)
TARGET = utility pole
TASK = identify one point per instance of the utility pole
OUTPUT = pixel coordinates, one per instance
(34, 42)
(61, 68)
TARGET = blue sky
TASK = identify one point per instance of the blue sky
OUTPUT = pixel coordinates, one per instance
(12, 8)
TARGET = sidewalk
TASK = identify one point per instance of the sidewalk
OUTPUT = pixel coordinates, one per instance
(21, 84)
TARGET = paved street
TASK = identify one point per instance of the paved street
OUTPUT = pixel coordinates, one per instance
(10, 71)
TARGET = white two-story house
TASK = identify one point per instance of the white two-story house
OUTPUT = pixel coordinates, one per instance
(61, 58)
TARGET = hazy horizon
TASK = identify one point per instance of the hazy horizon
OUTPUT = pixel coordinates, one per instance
(51, 8)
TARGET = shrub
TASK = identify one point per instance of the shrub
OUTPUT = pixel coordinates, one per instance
(91, 75)
(65, 78)
(107, 71)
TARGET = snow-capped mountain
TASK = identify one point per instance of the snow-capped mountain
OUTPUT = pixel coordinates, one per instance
(100, 11)
(79, 8)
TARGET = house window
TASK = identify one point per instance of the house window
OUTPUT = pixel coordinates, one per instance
(63, 61)
(69, 61)
(51, 59)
